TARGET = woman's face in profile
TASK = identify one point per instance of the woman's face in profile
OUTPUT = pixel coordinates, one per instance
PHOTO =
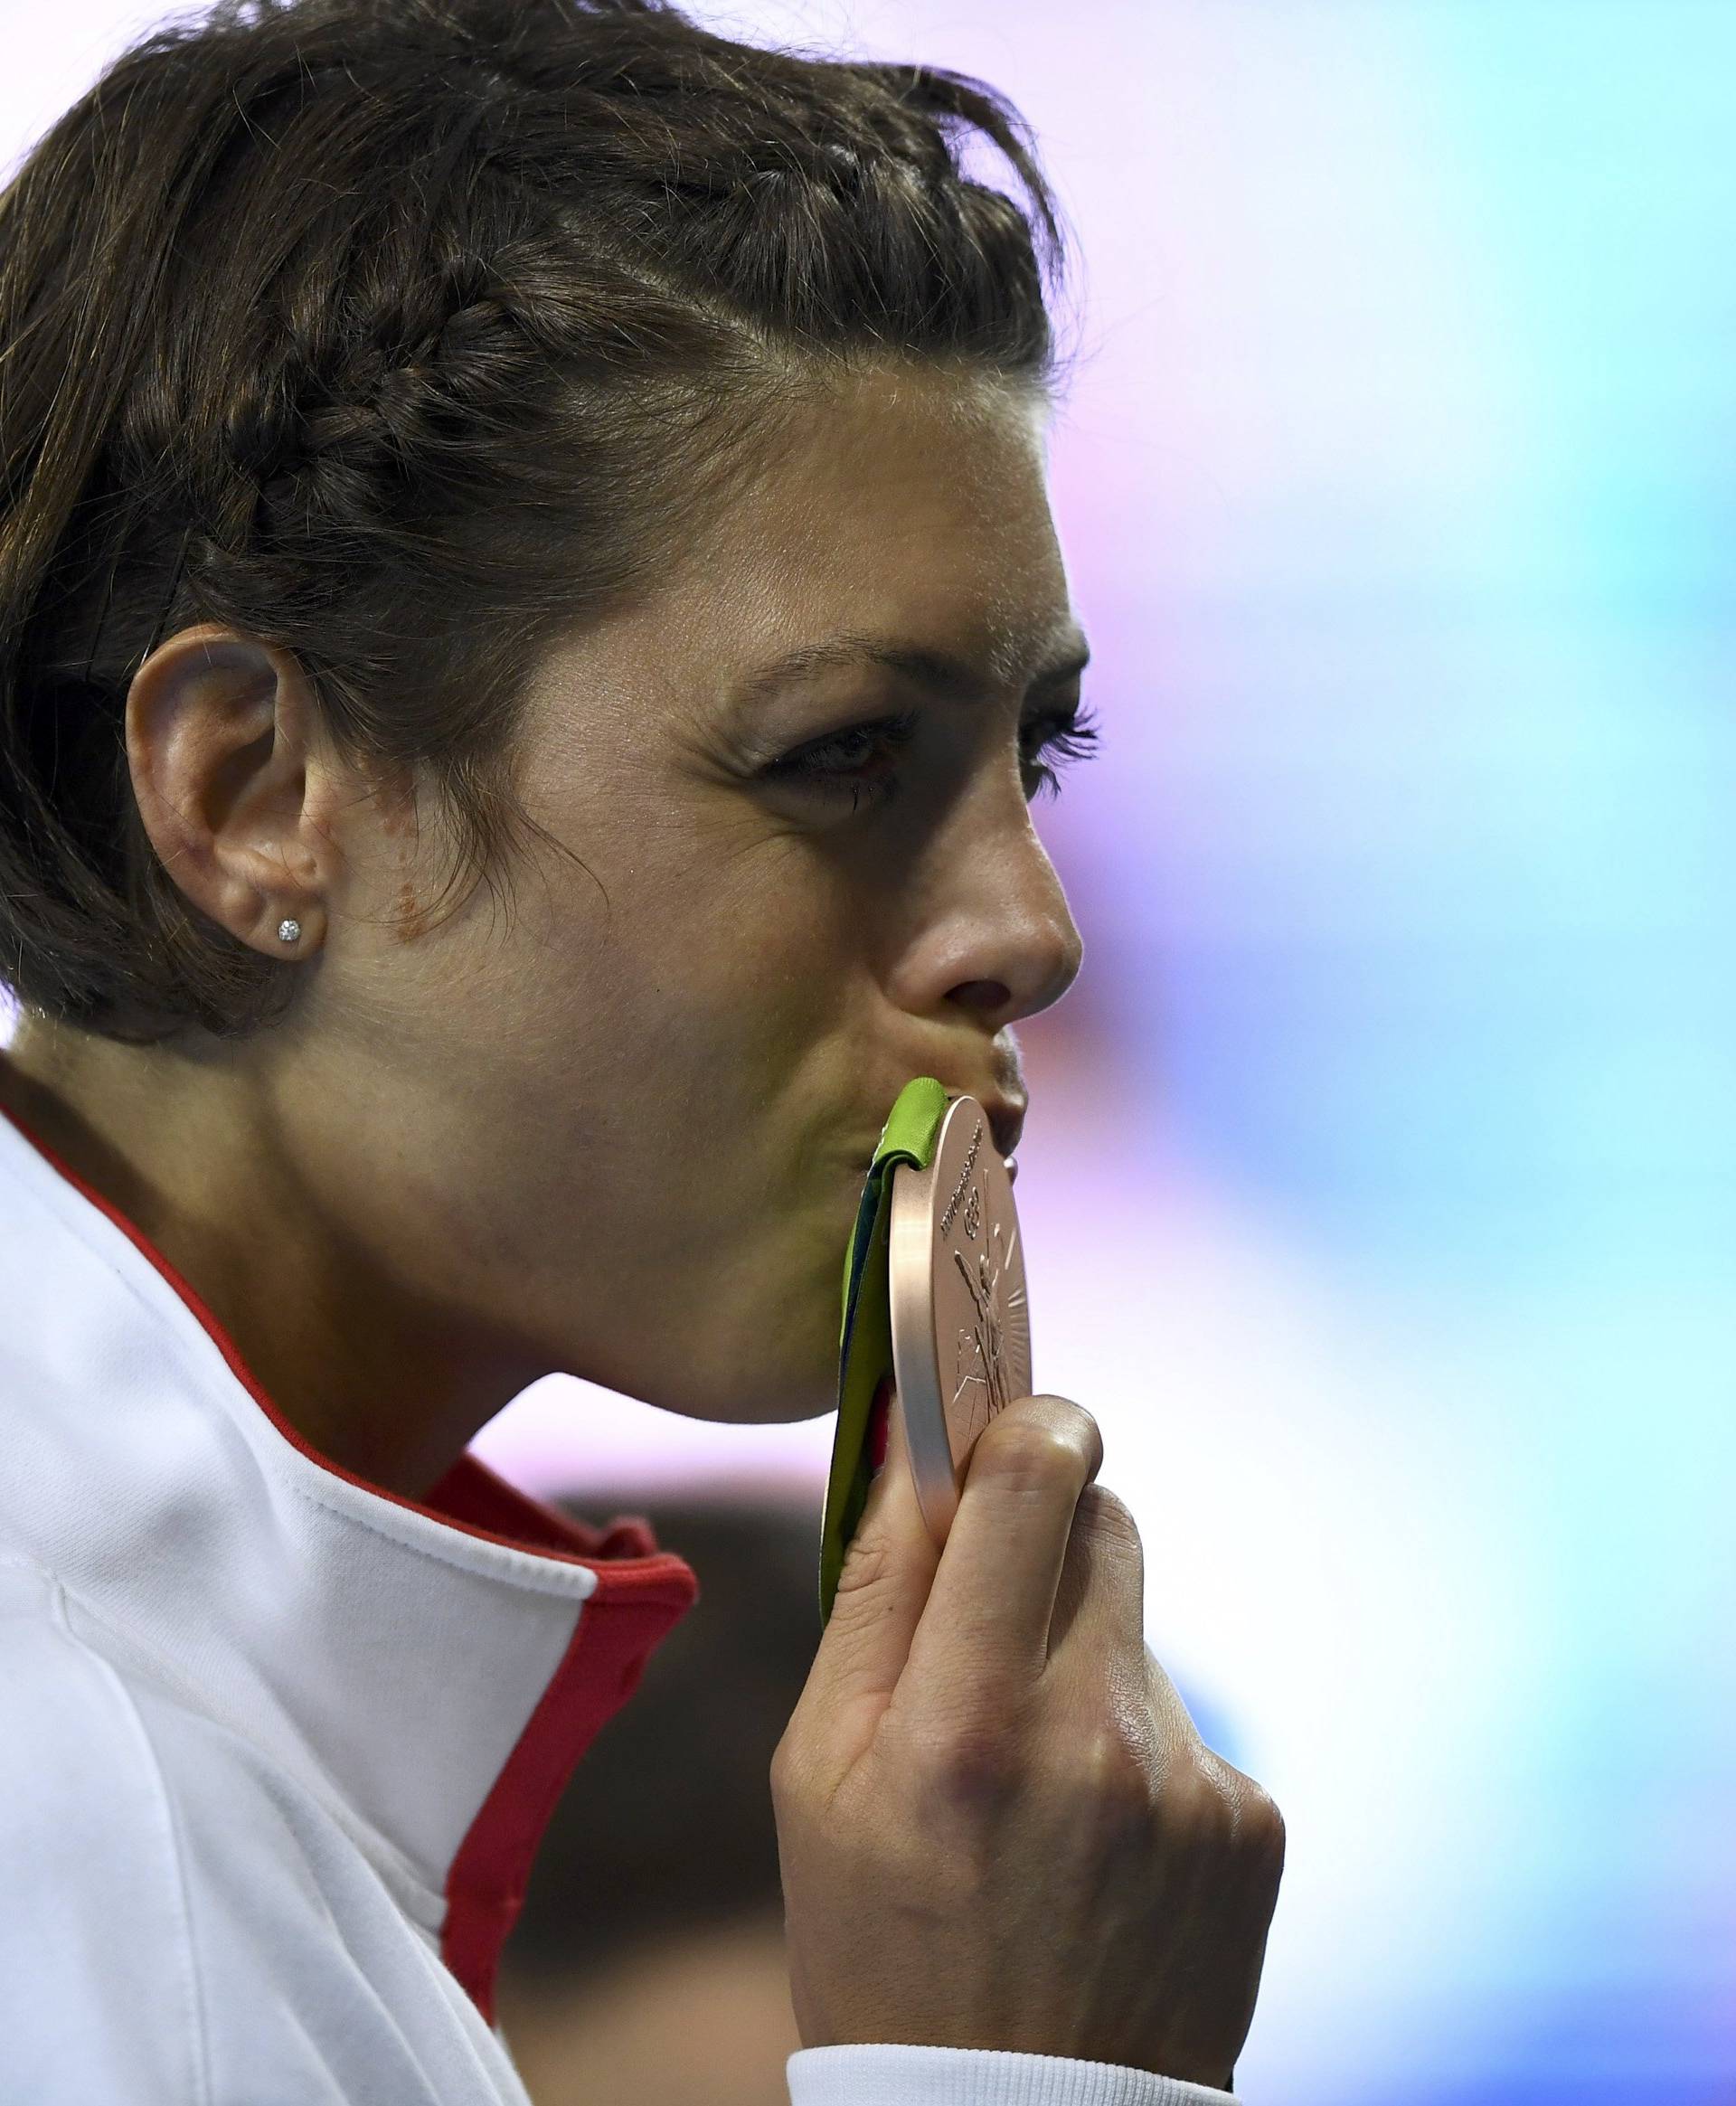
(638, 1107)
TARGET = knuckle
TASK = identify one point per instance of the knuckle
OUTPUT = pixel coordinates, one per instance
(802, 1770)
(1113, 1764)
(969, 1768)
(1071, 1421)
(867, 1564)
(1217, 1811)
(1111, 1518)
(1034, 1454)
(787, 1771)
(1261, 1828)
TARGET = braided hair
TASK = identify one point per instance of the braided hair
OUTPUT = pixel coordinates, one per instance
(404, 336)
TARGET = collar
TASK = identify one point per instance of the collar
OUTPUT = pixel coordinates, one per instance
(435, 1669)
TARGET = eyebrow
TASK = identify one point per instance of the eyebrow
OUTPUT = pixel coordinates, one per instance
(949, 677)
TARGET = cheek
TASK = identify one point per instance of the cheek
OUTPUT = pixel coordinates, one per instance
(710, 1015)
(700, 974)
(753, 957)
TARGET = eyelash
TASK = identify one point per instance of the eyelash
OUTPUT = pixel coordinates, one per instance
(1060, 741)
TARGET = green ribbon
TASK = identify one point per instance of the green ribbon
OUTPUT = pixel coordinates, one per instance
(865, 1333)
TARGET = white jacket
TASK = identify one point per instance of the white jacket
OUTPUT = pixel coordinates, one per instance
(275, 1747)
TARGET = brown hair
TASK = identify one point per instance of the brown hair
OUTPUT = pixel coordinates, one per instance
(394, 333)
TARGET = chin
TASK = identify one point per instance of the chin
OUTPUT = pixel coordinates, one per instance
(811, 1403)
(761, 1393)
(775, 1401)
(759, 1358)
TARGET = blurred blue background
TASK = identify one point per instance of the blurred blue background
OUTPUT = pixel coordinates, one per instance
(1380, 1178)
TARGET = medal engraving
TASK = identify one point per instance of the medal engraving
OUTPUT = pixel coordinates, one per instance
(960, 1320)
(986, 1347)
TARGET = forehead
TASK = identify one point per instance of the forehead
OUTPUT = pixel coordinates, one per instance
(900, 506)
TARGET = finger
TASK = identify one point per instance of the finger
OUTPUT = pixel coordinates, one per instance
(985, 1628)
(888, 1567)
(1175, 1728)
(1100, 1616)
(1100, 1609)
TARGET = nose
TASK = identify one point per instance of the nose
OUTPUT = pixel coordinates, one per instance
(999, 940)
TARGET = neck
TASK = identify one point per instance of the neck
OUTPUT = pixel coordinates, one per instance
(196, 1149)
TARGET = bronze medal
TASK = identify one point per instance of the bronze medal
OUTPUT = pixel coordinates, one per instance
(960, 1317)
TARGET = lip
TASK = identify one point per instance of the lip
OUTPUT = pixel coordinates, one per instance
(1007, 1123)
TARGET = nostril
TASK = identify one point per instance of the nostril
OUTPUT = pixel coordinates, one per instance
(983, 994)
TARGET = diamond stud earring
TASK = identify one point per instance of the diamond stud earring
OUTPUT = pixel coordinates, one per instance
(288, 931)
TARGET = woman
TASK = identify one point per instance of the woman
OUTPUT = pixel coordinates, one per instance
(530, 621)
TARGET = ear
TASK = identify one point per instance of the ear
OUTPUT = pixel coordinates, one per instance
(232, 781)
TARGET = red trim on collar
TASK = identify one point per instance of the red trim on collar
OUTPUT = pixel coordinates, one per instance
(485, 1888)
(641, 1593)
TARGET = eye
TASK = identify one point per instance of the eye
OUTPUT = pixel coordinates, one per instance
(840, 764)
(859, 762)
(1059, 741)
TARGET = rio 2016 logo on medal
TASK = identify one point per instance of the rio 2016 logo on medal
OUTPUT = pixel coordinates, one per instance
(960, 1315)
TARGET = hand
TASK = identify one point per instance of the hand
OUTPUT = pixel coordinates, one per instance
(996, 1825)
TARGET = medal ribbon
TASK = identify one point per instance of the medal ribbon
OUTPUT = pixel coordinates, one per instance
(865, 1334)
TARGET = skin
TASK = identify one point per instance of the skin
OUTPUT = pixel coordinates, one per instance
(621, 1130)
(997, 1826)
